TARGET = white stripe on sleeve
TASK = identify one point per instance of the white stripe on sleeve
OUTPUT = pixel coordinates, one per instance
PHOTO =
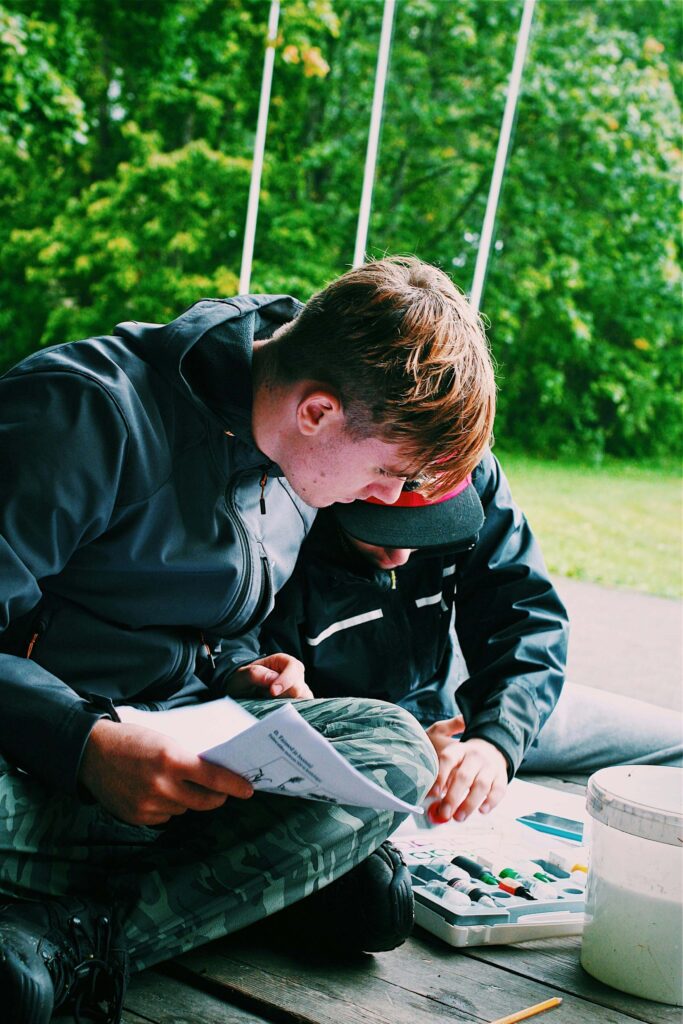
(336, 627)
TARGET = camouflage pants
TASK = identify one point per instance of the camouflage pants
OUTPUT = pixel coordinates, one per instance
(204, 875)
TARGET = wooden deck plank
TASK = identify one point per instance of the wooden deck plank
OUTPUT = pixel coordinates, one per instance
(340, 996)
(565, 784)
(155, 997)
(420, 983)
(556, 962)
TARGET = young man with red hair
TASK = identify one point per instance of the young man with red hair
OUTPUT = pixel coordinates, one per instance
(155, 487)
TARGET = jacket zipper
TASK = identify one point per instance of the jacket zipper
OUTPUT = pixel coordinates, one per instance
(243, 537)
(207, 649)
(262, 500)
(40, 627)
(265, 583)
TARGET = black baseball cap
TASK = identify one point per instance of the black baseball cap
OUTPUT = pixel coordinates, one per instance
(413, 521)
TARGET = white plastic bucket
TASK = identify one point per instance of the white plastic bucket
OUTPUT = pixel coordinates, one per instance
(633, 939)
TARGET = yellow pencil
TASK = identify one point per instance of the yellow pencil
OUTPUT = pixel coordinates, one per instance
(530, 1011)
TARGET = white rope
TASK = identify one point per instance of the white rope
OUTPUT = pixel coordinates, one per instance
(373, 134)
(259, 149)
(501, 154)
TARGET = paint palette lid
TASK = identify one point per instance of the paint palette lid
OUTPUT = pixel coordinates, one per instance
(644, 800)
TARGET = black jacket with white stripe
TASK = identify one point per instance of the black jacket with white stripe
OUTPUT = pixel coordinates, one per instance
(401, 635)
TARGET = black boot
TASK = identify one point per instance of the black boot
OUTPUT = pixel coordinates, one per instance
(61, 953)
(369, 910)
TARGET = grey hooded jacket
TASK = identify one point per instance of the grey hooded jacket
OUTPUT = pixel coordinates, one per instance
(139, 524)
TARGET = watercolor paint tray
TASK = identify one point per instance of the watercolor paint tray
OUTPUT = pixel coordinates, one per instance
(513, 919)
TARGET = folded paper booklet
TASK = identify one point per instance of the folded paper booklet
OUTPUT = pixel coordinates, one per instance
(280, 753)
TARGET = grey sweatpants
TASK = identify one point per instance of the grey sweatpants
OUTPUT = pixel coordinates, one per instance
(591, 729)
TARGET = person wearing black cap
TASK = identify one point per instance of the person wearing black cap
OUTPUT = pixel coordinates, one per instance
(446, 608)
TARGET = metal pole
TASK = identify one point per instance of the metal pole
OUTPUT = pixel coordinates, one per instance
(259, 149)
(501, 154)
(373, 134)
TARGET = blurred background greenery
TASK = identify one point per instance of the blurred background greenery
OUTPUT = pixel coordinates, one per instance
(126, 135)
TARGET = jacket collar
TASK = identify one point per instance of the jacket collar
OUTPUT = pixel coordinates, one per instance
(207, 352)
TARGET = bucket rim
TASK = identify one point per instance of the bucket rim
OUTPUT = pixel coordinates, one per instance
(614, 797)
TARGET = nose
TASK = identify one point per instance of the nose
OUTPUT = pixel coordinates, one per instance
(387, 490)
(399, 556)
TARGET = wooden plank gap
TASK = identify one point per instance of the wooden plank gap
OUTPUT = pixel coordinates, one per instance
(233, 994)
(326, 993)
(155, 997)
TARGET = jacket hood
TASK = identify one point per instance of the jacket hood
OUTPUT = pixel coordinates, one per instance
(207, 351)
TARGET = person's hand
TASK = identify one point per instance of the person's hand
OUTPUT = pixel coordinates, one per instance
(144, 777)
(281, 674)
(472, 774)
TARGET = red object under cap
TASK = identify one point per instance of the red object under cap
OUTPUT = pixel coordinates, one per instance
(411, 499)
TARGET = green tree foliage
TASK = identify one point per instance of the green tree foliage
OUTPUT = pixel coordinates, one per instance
(588, 336)
(142, 244)
(126, 134)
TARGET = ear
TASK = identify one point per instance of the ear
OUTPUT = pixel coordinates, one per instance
(318, 410)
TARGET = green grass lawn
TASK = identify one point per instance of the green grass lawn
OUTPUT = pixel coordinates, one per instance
(618, 524)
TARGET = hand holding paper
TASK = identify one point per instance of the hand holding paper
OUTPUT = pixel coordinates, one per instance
(144, 777)
(280, 753)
